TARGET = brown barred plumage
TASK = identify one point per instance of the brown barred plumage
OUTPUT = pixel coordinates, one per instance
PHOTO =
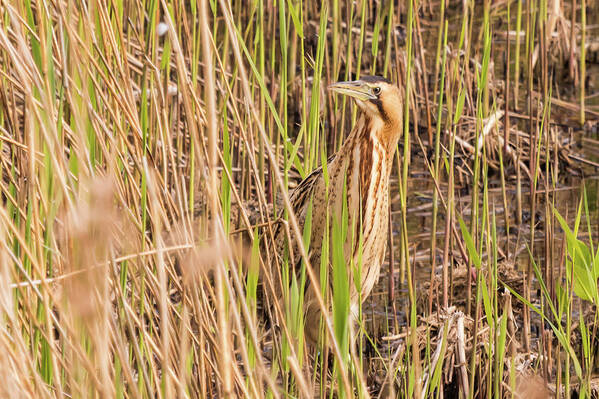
(363, 165)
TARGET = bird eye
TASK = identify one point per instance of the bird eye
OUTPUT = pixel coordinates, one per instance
(376, 91)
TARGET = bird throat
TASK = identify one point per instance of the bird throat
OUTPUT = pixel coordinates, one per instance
(368, 161)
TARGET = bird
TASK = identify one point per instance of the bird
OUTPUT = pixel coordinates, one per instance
(362, 166)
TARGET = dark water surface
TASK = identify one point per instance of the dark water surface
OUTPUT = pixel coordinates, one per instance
(580, 142)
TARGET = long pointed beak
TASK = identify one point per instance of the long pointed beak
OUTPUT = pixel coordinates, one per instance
(357, 89)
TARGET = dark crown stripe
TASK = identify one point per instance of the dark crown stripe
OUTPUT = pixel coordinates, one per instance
(374, 79)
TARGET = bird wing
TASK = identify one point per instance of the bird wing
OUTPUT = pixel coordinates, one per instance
(311, 189)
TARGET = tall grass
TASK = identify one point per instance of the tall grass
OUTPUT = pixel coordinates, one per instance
(148, 149)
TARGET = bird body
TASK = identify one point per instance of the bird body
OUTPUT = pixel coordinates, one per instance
(361, 168)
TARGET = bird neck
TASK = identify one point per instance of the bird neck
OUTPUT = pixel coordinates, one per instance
(384, 133)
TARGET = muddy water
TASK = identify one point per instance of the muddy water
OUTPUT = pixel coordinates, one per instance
(578, 171)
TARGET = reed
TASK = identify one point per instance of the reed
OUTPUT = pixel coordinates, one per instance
(147, 152)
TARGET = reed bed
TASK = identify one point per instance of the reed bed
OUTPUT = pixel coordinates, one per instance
(148, 148)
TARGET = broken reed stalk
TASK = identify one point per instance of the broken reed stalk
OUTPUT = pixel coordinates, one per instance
(572, 59)
(62, 125)
(506, 135)
(517, 56)
(445, 278)
(582, 63)
(532, 162)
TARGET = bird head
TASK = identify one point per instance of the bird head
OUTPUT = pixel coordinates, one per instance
(376, 96)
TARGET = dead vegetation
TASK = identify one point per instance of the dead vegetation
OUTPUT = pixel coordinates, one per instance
(146, 148)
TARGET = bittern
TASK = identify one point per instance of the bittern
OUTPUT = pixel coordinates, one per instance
(361, 167)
